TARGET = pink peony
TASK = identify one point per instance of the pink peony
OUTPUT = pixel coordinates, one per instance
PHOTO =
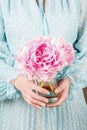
(41, 58)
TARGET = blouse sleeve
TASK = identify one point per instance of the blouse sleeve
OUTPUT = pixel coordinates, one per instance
(78, 71)
(7, 71)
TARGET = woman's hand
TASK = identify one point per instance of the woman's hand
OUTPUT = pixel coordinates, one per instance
(62, 92)
(27, 89)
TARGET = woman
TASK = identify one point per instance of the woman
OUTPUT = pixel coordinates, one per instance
(21, 20)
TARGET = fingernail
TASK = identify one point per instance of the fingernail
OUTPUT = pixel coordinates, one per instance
(39, 107)
(56, 92)
(47, 101)
(43, 105)
(48, 92)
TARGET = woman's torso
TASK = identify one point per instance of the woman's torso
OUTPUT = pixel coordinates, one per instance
(24, 19)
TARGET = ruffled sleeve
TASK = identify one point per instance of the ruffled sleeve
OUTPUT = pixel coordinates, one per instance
(7, 71)
(78, 71)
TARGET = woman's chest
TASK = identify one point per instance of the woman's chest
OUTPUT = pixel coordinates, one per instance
(23, 23)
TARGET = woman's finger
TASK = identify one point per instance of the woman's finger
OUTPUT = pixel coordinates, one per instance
(32, 87)
(33, 100)
(40, 89)
(38, 103)
(39, 98)
(65, 83)
(60, 87)
(30, 103)
(62, 98)
(36, 96)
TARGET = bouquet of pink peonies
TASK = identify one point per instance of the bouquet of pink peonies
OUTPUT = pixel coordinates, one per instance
(43, 57)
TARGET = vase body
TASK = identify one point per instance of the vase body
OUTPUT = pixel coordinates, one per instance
(50, 86)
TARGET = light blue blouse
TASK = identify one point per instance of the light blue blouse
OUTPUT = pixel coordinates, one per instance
(21, 20)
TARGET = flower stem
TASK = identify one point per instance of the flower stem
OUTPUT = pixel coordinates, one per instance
(42, 83)
(51, 87)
